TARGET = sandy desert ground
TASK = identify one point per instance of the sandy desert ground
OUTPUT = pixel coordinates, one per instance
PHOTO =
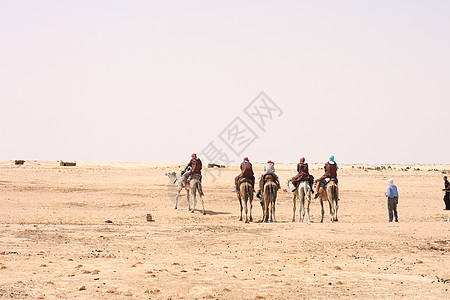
(55, 243)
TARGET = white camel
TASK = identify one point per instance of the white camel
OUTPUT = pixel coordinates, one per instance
(194, 186)
(180, 186)
(301, 192)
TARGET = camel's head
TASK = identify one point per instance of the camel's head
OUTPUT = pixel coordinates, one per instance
(290, 185)
(171, 174)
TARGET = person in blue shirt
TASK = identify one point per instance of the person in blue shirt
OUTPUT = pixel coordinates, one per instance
(392, 195)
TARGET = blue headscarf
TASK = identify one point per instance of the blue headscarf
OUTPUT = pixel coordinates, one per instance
(332, 160)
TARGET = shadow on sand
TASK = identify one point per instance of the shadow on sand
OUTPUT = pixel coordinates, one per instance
(212, 213)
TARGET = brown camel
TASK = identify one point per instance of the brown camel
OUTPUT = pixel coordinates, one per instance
(269, 197)
(331, 194)
(246, 194)
(196, 187)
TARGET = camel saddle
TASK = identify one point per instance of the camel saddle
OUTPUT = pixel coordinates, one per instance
(270, 177)
(196, 176)
(327, 180)
(246, 179)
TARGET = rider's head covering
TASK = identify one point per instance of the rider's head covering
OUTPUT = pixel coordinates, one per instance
(246, 158)
(194, 155)
(270, 162)
(331, 161)
(302, 160)
(390, 181)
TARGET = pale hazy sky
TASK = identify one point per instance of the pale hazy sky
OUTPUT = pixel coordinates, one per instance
(367, 81)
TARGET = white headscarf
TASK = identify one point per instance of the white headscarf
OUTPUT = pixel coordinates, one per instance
(390, 181)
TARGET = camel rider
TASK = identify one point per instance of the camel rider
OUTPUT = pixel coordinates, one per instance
(196, 167)
(246, 172)
(269, 168)
(330, 172)
(302, 175)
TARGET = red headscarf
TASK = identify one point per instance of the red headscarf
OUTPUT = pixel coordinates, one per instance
(246, 159)
(302, 160)
(270, 162)
(194, 155)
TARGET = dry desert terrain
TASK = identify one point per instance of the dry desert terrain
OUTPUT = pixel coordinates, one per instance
(55, 242)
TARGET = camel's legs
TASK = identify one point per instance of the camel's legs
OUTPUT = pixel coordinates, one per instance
(302, 209)
(250, 199)
(266, 210)
(203, 204)
(264, 218)
(323, 211)
(264, 205)
(293, 208)
(273, 210)
(188, 200)
(309, 202)
(245, 208)
(240, 203)
(176, 198)
(336, 209)
(268, 207)
(302, 204)
(330, 202)
(272, 201)
(187, 197)
(194, 194)
(270, 210)
(307, 207)
(271, 195)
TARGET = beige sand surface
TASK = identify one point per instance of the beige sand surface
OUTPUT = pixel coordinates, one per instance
(54, 242)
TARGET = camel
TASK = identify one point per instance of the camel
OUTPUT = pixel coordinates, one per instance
(269, 197)
(246, 194)
(303, 190)
(194, 186)
(331, 194)
(179, 183)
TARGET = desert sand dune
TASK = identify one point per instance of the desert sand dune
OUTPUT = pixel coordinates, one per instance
(55, 242)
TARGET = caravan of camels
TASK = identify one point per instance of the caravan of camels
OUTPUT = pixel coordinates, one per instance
(301, 186)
